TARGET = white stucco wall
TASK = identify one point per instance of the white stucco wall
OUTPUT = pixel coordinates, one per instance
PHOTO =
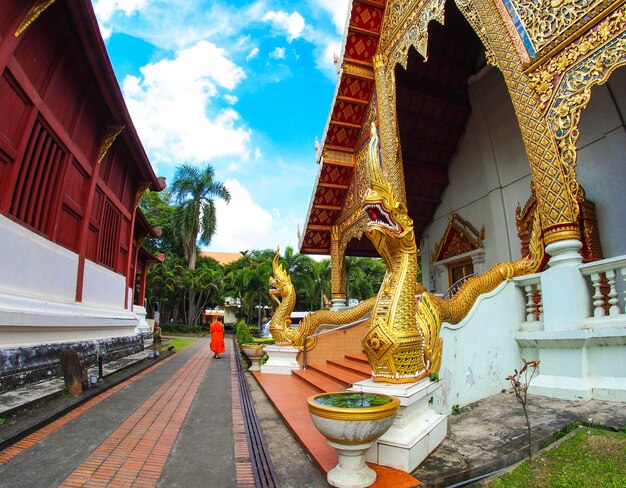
(489, 174)
(38, 292)
(33, 266)
(103, 287)
(480, 351)
(601, 165)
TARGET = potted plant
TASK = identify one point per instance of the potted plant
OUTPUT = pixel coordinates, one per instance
(351, 423)
(254, 352)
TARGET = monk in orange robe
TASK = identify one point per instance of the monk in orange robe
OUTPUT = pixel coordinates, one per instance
(216, 329)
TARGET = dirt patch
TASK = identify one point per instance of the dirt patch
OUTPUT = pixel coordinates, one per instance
(605, 446)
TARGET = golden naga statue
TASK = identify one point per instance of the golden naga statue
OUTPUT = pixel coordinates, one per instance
(283, 293)
(402, 340)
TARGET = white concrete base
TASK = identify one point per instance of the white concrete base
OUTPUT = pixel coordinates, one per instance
(417, 429)
(579, 364)
(282, 360)
(351, 471)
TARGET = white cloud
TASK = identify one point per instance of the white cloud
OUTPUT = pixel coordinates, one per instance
(293, 23)
(244, 225)
(278, 53)
(338, 9)
(174, 106)
(105, 9)
(231, 99)
(252, 54)
(325, 61)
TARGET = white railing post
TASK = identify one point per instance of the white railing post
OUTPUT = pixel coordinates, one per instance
(604, 275)
(613, 297)
(598, 298)
(623, 271)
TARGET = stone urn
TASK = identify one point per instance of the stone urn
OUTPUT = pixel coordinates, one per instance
(351, 423)
(255, 353)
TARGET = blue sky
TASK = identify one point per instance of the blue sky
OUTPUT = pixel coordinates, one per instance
(245, 86)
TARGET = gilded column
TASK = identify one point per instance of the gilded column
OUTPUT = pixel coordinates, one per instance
(338, 270)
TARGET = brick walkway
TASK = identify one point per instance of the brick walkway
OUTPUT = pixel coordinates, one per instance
(135, 453)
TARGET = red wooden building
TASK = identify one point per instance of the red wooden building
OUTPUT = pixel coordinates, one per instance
(72, 170)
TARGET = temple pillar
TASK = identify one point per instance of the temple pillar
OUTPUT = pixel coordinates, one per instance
(338, 271)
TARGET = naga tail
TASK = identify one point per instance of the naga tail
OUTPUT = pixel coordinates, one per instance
(456, 308)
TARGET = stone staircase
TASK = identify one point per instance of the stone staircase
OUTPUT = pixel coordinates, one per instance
(335, 374)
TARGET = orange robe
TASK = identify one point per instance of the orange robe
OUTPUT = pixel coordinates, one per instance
(216, 329)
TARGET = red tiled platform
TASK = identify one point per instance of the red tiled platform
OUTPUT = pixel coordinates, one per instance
(289, 394)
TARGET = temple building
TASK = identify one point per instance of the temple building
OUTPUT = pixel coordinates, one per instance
(491, 115)
(72, 171)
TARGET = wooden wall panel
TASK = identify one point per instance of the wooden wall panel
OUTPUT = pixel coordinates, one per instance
(66, 90)
(75, 186)
(117, 175)
(5, 165)
(89, 128)
(69, 227)
(15, 109)
(10, 9)
(40, 50)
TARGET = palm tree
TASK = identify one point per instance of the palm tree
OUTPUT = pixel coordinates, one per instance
(194, 190)
(317, 278)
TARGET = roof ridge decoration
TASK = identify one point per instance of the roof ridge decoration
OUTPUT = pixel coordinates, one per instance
(459, 237)
(36, 10)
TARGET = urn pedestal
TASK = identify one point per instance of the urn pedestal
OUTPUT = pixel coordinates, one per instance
(351, 430)
(417, 429)
(254, 352)
(282, 359)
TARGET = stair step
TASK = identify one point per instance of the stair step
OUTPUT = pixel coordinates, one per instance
(348, 378)
(362, 358)
(318, 380)
(354, 366)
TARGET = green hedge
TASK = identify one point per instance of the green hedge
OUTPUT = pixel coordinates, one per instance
(243, 333)
(181, 328)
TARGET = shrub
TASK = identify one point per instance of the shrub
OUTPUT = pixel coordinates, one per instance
(264, 340)
(181, 328)
(243, 333)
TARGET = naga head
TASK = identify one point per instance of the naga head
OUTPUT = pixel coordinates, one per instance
(390, 224)
(280, 281)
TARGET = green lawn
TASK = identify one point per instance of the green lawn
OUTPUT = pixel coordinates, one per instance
(590, 458)
(179, 344)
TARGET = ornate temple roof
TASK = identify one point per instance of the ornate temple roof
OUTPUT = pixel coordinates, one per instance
(432, 106)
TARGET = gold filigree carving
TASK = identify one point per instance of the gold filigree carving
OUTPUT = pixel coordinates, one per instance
(554, 182)
(544, 78)
(468, 9)
(414, 32)
(362, 176)
(549, 22)
(460, 237)
(36, 10)
(358, 70)
(338, 156)
(140, 192)
(110, 135)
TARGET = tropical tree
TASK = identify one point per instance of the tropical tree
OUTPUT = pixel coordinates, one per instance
(194, 190)
(363, 276)
(316, 277)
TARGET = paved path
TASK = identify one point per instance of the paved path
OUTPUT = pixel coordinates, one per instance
(177, 423)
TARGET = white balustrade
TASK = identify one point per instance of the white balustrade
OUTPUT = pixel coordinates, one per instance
(604, 279)
(531, 285)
